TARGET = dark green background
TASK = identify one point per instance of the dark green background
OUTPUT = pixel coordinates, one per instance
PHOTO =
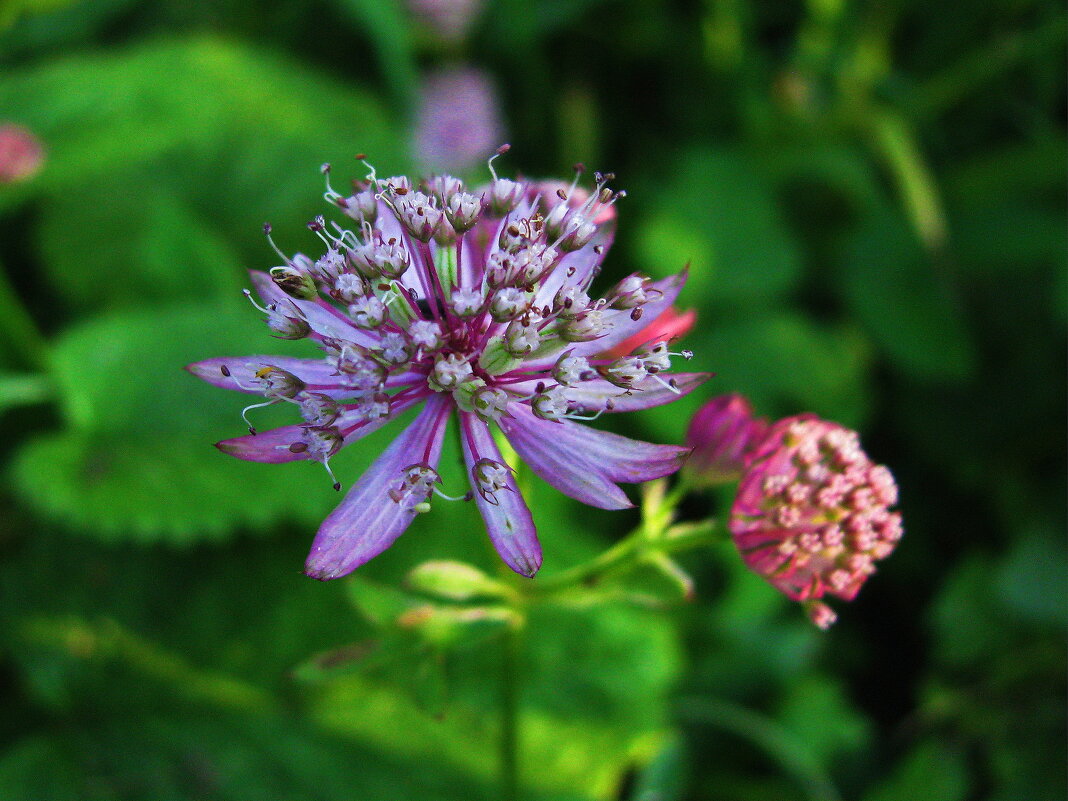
(872, 200)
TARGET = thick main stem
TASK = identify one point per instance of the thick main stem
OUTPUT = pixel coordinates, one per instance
(510, 666)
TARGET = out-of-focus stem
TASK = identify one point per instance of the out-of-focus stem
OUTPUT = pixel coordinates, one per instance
(18, 328)
(510, 686)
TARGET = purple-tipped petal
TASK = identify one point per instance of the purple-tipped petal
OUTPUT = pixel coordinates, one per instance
(508, 520)
(272, 446)
(624, 327)
(324, 319)
(368, 520)
(585, 463)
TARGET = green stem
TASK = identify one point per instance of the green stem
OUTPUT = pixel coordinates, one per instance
(627, 551)
(18, 328)
(510, 715)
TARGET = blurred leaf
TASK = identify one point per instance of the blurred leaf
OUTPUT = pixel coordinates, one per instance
(663, 778)
(37, 768)
(455, 581)
(183, 96)
(896, 293)
(57, 22)
(138, 463)
(386, 22)
(718, 215)
(1031, 580)
(784, 363)
(106, 245)
(932, 769)
(817, 708)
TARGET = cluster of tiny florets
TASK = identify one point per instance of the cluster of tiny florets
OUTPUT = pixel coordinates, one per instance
(812, 513)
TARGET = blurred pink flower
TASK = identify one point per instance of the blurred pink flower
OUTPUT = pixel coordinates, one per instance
(722, 434)
(21, 154)
(458, 121)
(449, 19)
(812, 514)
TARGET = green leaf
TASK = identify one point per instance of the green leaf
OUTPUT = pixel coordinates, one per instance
(187, 96)
(138, 462)
(39, 767)
(455, 581)
(386, 22)
(106, 246)
(905, 303)
(931, 770)
(719, 216)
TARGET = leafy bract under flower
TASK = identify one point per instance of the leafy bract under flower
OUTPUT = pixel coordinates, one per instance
(473, 303)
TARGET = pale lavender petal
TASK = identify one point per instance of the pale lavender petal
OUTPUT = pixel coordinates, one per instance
(368, 521)
(318, 374)
(623, 327)
(243, 369)
(272, 446)
(508, 520)
(324, 319)
(590, 396)
(585, 463)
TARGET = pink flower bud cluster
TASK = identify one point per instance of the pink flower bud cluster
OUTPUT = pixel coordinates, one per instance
(812, 514)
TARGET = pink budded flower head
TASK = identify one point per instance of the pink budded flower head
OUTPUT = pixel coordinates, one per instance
(463, 303)
(813, 513)
(723, 434)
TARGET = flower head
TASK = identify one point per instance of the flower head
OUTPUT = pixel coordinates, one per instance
(812, 514)
(722, 434)
(449, 299)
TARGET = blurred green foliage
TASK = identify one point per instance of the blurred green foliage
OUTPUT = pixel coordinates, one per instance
(871, 198)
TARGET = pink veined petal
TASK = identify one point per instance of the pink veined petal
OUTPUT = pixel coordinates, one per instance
(590, 396)
(585, 463)
(314, 372)
(623, 327)
(508, 521)
(368, 521)
(272, 446)
(324, 319)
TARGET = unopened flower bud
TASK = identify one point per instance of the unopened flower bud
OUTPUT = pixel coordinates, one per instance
(279, 383)
(625, 372)
(580, 232)
(584, 328)
(550, 404)
(318, 409)
(466, 302)
(522, 337)
(629, 293)
(294, 283)
(509, 303)
(463, 210)
(449, 373)
(570, 370)
(504, 196)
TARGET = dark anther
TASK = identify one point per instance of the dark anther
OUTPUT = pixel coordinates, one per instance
(298, 447)
(673, 383)
(579, 167)
(252, 431)
(424, 307)
(401, 190)
(384, 287)
(636, 313)
(598, 249)
(598, 178)
(540, 387)
(337, 486)
(361, 156)
(267, 228)
(560, 193)
(545, 310)
(503, 149)
(325, 168)
(571, 270)
(609, 405)
(225, 370)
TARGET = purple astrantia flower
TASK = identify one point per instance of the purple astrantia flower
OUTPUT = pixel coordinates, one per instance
(723, 434)
(812, 514)
(458, 119)
(467, 303)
